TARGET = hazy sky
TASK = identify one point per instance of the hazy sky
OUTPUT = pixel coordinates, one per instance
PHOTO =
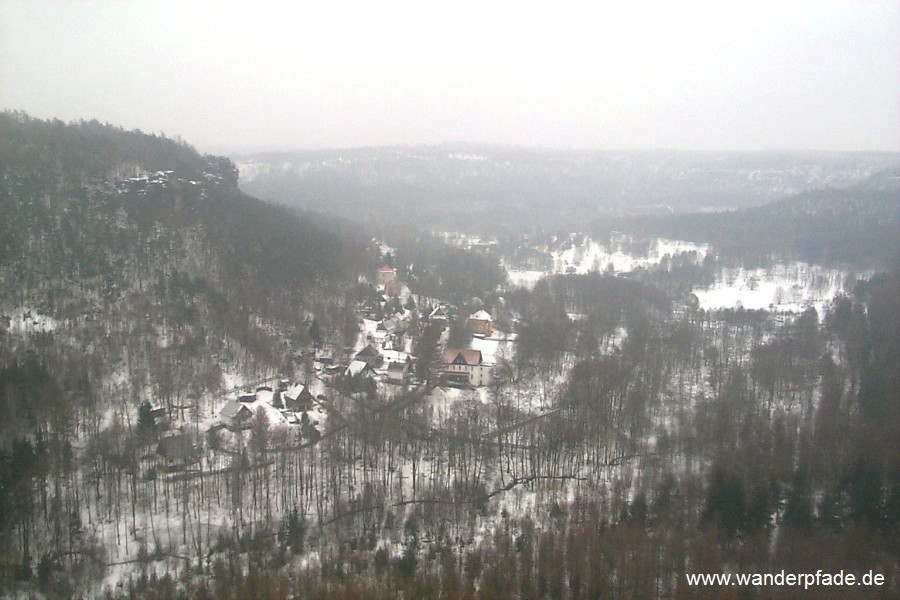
(251, 75)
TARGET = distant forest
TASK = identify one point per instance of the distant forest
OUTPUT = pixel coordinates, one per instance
(501, 190)
(853, 226)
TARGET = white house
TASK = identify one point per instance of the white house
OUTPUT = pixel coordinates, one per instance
(385, 275)
(465, 367)
(399, 372)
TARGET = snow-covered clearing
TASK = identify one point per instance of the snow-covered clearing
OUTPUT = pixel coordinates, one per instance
(495, 348)
(26, 321)
(620, 255)
(788, 287)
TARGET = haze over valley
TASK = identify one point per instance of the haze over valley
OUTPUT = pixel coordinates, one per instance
(405, 301)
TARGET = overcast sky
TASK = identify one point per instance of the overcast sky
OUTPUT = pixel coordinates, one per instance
(237, 77)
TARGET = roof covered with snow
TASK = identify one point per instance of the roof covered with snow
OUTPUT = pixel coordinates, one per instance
(357, 367)
(481, 315)
(232, 408)
(296, 391)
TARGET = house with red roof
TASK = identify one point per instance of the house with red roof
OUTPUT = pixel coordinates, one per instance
(465, 367)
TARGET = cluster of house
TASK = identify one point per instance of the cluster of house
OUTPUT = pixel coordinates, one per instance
(392, 366)
(288, 404)
(381, 358)
(480, 323)
(459, 366)
(282, 404)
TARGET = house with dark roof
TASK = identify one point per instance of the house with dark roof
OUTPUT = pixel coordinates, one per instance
(236, 415)
(298, 398)
(438, 316)
(370, 356)
(177, 451)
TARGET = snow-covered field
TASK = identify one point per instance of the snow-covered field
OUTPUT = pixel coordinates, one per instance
(616, 257)
(786, 287)
(24, 321)
(789, 287)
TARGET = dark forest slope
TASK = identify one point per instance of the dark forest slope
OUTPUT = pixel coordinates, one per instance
(129, 262)
(858, 226)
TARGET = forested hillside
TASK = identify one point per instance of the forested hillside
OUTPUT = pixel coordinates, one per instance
(133, 270)
(859, 225)
(141, 236)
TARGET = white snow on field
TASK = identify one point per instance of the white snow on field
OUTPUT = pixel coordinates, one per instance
(498, 346)
(232, 381)
(790, 287)
(617, 257)
(24, 321)
(264, 403)
(525, 279)
(442, 397)
(593, 256)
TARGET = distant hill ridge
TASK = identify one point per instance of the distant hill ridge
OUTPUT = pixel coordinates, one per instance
(480, 188)
(858, 226)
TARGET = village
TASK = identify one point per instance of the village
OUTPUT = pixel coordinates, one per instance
(384, 361)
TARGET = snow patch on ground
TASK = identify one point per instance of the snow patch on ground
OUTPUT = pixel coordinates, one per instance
(497, 347)
(233, 381)
(525, 279)
(25, 321)
(789, 287)
(618, 256)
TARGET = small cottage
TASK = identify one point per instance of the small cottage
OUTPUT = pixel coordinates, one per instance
(438, 316)
(385, 275)
(370, 356)
(359, 368)
(399, 372)
(177, 451)
(298, 398)
(481, 323)
(236, 415)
